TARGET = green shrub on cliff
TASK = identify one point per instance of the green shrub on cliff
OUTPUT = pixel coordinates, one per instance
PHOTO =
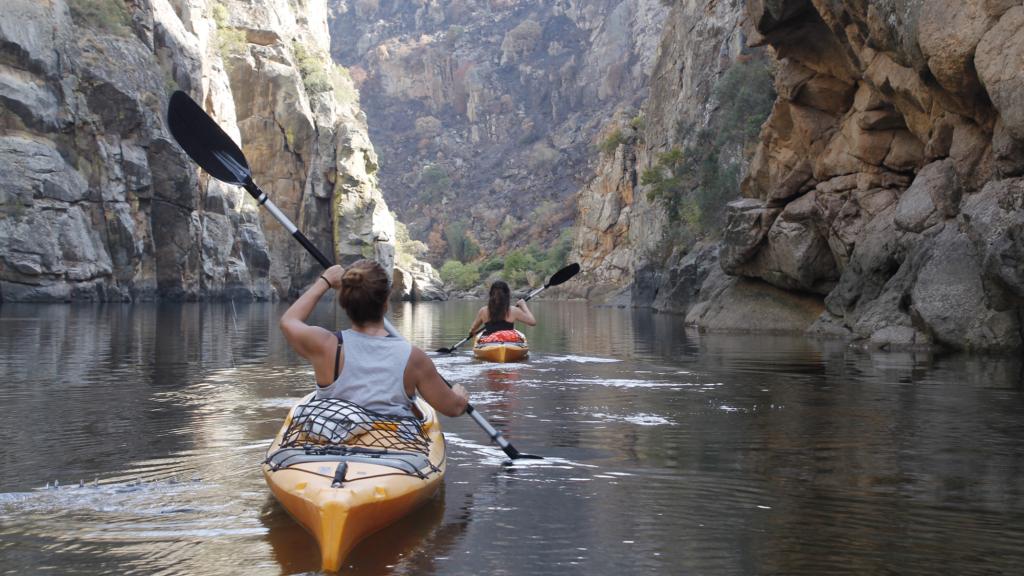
(533, 264)
(461, 246)
(229, 41)
(460, 276)
(320, 74)
(434, 183)
(407, 250)
(612, 141)
(697, 182)
(110, 16)
(519, 267)
(557, 255)
(220, 14)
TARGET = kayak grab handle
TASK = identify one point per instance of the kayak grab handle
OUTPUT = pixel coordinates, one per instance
(339, 475)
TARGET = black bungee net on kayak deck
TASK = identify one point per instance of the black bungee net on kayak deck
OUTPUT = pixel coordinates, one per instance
(334, 430)
(336, 422)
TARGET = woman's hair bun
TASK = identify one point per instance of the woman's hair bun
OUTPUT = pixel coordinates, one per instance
(364, 291)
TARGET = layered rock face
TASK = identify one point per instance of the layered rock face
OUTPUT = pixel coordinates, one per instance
(883, 201)
(620, 235)
(887, 177)
(485, 112)
(97, 200)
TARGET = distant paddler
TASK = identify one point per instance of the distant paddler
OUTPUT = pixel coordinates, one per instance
(499, 297)
(499, 341)
(498, 316)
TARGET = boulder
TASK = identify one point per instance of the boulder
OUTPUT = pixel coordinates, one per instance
(1008, 152)
(934, 196)
(417, 283)
(796, 255)
(746, 305)
(681, 284)
(995, 217)
(948, 33)
(950, 298)
(747, 224)
(998, 61)
(876, 257)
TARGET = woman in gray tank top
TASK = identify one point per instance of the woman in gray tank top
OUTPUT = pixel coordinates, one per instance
(365, 364)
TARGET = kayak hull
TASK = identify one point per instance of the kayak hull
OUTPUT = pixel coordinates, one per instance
(501, 351)
(339, 518)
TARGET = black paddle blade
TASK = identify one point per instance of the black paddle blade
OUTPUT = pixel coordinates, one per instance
(205, 142)
(564, 274)
(445, 350)
(514, 454)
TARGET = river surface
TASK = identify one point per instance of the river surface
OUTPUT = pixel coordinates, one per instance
(668, 451)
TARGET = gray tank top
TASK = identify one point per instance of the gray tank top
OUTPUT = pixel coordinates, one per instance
(373, 375)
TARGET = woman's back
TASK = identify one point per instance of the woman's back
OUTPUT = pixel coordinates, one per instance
(498, 316)
(365, 365)
(506, 323)
(372, 373)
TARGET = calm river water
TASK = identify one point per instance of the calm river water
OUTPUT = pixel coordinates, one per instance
(669, 452)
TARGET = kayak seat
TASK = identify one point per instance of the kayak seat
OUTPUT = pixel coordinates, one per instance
(503, 337)
(408, 462)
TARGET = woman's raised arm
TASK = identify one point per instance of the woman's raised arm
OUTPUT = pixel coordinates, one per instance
(305, 339)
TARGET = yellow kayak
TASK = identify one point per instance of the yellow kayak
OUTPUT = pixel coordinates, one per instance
(342, 484)
(501, 351)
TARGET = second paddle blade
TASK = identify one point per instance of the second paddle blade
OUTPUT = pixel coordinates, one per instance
(205, 142)
(564, 274)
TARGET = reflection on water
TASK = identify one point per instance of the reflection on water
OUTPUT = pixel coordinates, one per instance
(667, 451)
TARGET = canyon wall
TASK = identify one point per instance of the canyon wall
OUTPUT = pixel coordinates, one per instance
(621, 236)
(97, 202)
(884, 200)
(887, 178)
(485, 112)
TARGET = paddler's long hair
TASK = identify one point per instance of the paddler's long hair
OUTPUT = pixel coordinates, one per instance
(498, 300)
(364, 292)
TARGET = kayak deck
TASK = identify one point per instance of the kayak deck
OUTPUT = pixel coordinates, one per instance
(378, 487)
(502, 351)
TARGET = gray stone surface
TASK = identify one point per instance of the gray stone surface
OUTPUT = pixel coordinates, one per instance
(98, 202)
(681, 288)
(998, 61)
(747, 305)
(950, 298)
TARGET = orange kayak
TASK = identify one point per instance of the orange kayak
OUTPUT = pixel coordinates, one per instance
(378, 485)
(501, 351)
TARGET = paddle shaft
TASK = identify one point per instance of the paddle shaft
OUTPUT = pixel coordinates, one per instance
(491, 431)
(263, 200)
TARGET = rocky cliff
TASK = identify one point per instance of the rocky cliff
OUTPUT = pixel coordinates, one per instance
(884, 200)
(485, 112)
(98, 202)
(622, 238)
(886, 181)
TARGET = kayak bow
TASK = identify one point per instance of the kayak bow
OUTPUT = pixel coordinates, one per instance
(343, 493)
